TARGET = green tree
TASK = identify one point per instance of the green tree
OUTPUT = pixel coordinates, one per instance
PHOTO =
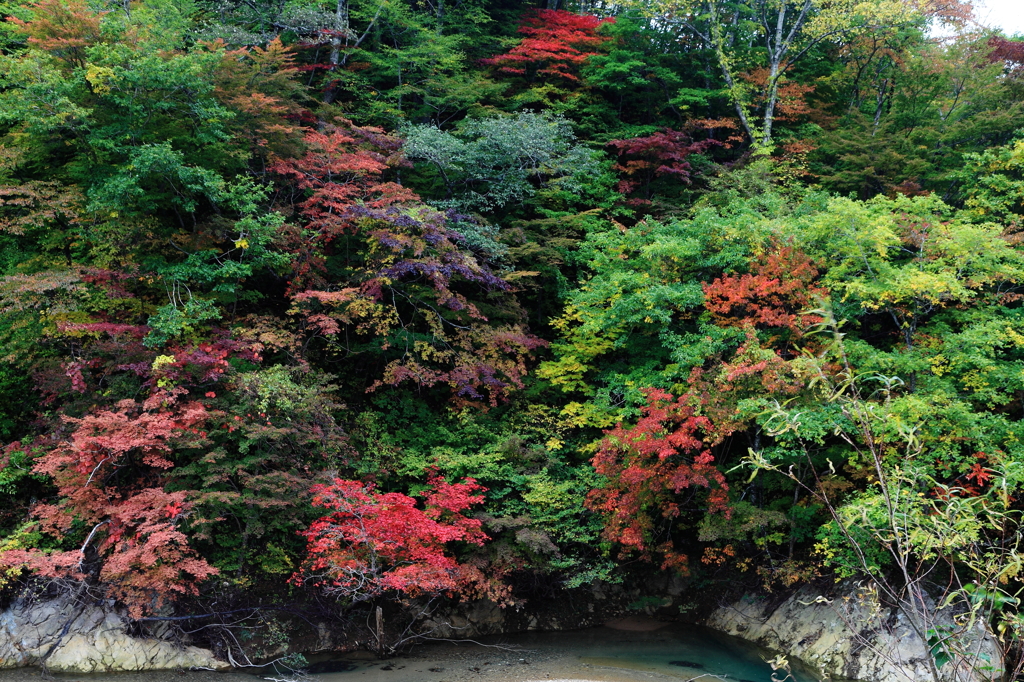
(994, 182)
(489, 163)
(916, 111)
(785, 31)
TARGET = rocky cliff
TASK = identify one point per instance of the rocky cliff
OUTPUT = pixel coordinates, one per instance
(77, 638)
(848, 633)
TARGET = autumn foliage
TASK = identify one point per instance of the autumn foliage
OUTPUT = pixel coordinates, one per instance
(285, 291)
(1009, 52)
(654, 471)
(62, 28)
(372, 543)
(556, 44)
(778, 292)
(134, 532)
(661, 154)
(412, 284)
(257, 84)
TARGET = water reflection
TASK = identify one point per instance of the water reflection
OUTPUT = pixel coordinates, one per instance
(681, 651)
(671, 652)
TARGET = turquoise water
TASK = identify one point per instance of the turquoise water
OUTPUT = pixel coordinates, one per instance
(603, 654)
(676, 651)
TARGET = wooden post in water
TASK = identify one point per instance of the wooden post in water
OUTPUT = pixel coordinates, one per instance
(380, 632)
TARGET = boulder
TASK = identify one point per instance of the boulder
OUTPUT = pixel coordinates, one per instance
(86, 638)
(850, 634)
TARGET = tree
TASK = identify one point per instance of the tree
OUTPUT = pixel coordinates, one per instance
(488, 163)
(259, 85)
(43, 216)
(927, 546)
(62, 29)
(642, 76)
(647, 466)
(140, 556)
(916, 111)
(418, 66)
(634, 321)
(919, 258)
(270, 430)
(785, 32)
(1009, 52)
(372, 543)
(716, 313)
(343, 166)
(402, 271)
(556, 45)
(777, 293)
(994, 182)
(661, 154)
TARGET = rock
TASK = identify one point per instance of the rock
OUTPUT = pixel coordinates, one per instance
(636, 624)
(486, 616)
(676, 585)
(849, 635)
(95, 641)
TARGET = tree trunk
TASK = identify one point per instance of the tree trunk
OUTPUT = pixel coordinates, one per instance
(341, 29)
(771, 97)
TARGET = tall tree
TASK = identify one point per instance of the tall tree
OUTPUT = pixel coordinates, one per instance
(784, 32)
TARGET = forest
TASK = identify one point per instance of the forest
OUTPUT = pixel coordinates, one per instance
(327, 303)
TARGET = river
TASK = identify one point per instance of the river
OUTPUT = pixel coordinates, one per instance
(629, 650)
(632, 650)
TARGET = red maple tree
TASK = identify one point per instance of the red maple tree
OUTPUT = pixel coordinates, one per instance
(647, 467)
(342, 169)
(372, 542)
(557, 43)
(1010, 52)
(661, 154)
(134, 545)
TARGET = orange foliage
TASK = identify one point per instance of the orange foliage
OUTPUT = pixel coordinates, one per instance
(792, 96)
(64, 28)
(135, 538)
(256, 83)
(776, 294)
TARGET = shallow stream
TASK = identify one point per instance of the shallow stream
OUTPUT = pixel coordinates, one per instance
(629, 650)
